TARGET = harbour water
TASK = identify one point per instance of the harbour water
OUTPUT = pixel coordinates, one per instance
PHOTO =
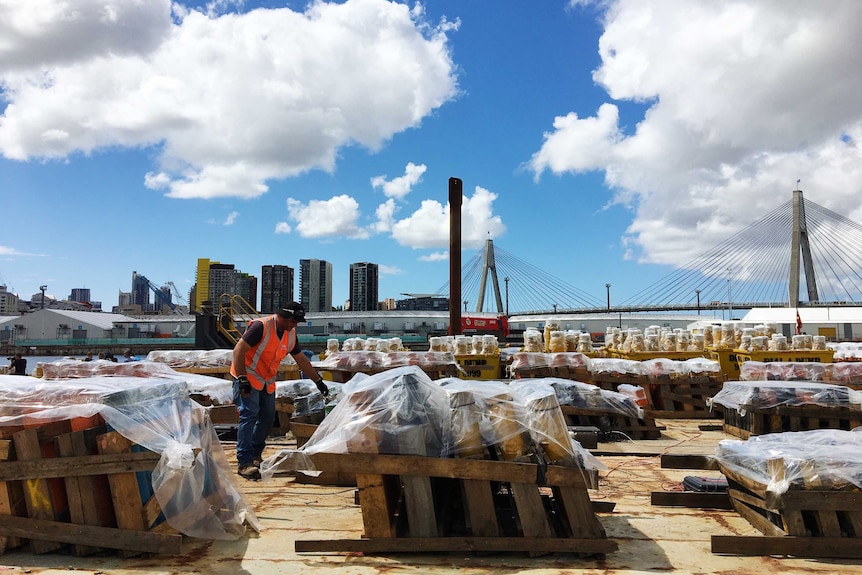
(33, 360)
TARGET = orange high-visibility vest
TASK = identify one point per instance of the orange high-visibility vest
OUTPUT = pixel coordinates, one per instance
(261, 362)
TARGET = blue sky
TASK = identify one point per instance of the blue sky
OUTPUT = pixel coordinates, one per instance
(602, 142)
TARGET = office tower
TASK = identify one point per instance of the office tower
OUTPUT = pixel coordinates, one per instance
(81, 295)
(315, 285)
(215, 280)
(276, 287)
(363, 286)
(141, 291)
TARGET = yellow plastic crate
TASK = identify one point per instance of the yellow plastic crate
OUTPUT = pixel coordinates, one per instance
(479, 366)
(674, 355)
(728, 361)
(796, 356)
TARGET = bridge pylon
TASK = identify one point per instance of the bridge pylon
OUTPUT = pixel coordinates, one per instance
(799, 245)
(489, 269)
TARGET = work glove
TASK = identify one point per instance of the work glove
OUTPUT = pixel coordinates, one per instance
(243, 385)
(321, 387)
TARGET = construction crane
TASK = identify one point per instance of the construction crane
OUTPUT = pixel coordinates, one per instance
(177, 293)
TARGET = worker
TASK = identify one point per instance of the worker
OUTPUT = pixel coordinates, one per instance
(256, 357)
(18, 365)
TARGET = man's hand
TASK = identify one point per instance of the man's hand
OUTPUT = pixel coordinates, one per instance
(243, 385)
(321, 387)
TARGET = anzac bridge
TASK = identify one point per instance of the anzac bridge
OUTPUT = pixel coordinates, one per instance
(766, 264)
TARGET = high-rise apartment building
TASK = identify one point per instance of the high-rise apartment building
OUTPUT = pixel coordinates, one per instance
(215, 279)
(363, 286)
(141, 291)
(315, 285)
(8, 302)
(276, 287)
(81, 295)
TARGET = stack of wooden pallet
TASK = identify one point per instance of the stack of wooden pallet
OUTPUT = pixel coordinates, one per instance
(515, 494)
(758, 408)
(74, 483)
(802, 490)
(588, 405)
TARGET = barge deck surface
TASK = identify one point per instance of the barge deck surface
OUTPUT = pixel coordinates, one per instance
(651, 539)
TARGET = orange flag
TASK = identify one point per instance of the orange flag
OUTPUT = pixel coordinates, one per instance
(798, 323)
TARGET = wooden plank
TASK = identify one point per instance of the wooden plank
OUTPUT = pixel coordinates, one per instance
(56, 531)
(377, 496)
(531, 510)
(672, 414)
(418, 498)
(582, 520)
(688, 461)
(151, 511)
(37, 492)
(805, 499)
(823, 547)
(691, 499)
(453, 468)
(757, 520)
(563, 476)
(44, 431)
(77, 489)
(438, 544)
(7, 499)
(78, 466)
(125, 494)
(603, 506)
(479, 506)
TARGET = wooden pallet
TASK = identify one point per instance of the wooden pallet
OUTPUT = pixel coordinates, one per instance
(608, 420)
(683, 397)
(303, 428)
(805, 521)
(60, 486)
(670, 397)
(416, 504)
(581, 374)
(789, 418)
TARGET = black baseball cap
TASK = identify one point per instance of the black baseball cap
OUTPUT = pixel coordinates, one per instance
(292, 311)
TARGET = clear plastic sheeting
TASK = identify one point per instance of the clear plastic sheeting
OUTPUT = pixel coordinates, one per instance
(701, 366)
(744, 396)
(694, 366)
(403, 412)
(192, 481)
(818, 459)
(376, 360)
(587, 396)
(611, 365)
(782, 371)
(217, 389)
(848, 372)
(305, 396)
(846, 351)
(526, 361)
(196, 358)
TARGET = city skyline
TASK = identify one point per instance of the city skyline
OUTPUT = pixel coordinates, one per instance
(602, 141)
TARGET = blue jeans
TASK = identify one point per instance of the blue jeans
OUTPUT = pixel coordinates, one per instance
(256, 415)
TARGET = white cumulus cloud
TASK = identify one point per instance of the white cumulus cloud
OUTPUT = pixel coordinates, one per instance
(399, 187)
(740, 100)
(428, 227)
(228, 100)
(336, 217)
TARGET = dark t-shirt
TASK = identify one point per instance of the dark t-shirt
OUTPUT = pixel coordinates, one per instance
(254, 333)
(19, 366)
